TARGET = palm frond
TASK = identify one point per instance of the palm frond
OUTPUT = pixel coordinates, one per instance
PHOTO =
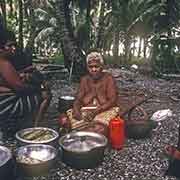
(44, 33)
(53, 22)
(150, 11)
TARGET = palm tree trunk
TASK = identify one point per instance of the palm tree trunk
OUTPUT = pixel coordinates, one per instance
(88, 22)
(134, 46)
(126, 49)
(20, 23)
(145, 47)
(100, 29)
(140, 47)
(71, 51)
(33, 33)
(11, 8)
(3, 9)
(116, 44)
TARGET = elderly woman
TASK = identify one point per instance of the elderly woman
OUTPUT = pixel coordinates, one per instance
(96, 97)
(20, 97)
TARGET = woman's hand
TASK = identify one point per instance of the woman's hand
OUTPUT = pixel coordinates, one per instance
(77, 114)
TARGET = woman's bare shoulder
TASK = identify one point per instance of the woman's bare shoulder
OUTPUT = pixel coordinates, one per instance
(3, 61)
(108, 75)
(84, 78)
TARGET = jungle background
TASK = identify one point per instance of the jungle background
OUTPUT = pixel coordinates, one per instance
(126, 32)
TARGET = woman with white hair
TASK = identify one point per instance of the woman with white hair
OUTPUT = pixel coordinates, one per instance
(96, 97)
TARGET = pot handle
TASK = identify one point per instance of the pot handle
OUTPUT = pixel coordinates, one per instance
(60, 152)
(139, 109)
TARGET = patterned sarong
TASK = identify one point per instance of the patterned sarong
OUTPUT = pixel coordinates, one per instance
(103, 118)
(12, 105)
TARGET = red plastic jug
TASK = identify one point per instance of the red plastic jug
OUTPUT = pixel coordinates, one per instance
(117, 133)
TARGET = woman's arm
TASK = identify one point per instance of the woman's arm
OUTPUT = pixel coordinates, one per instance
(12, 78)
(10, 75)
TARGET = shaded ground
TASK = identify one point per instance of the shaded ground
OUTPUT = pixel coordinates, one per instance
(139, 159)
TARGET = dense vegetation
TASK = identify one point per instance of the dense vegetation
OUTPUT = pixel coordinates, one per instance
(125, 31)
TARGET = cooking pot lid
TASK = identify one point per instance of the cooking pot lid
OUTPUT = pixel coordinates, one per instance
(5, 155)
(67, 97)
(82, 141)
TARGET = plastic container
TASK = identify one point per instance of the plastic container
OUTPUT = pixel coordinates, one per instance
(117, 133)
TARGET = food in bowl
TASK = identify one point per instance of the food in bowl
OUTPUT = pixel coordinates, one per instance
(37, 135)
(27, 160)
(35, 154)
(35, 159)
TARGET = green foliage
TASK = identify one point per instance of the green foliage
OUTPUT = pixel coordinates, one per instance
(164, 58)
(137, 60)
(57, 59)
(110, 60)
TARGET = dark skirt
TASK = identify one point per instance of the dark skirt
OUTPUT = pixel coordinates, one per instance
(12, 105)
(14, 108)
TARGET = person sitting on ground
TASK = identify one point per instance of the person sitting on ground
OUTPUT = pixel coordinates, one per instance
(97, 96)
(19, 96)
(19, 59)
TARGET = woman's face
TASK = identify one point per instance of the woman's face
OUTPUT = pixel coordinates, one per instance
(95, 69)
(11, 47)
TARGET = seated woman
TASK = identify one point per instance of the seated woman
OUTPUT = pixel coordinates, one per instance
(97, 96)
(18, 97)
(19, 59)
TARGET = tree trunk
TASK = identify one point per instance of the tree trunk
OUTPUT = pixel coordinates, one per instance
(88, 22)
(71, 51)
(140, 47)
(134, 46)
(20, 24)
(116, 44)
(145, 47)
(11, 8)
(3, 8)
(100, 28)
(32, 29)
(126, 49)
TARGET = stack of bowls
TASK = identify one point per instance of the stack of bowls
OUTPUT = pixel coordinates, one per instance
(36, 154)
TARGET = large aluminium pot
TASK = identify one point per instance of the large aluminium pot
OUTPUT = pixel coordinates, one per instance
(65, 103)
(83, 149)
(35, 159)
(6, 164)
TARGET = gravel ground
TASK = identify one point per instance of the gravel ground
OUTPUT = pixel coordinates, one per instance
(139, 159)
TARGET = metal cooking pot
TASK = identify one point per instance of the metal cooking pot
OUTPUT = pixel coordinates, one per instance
(140, 129)
(83, 149)
(35, 159)
(6, 164)
(65, 103)
(51, 141)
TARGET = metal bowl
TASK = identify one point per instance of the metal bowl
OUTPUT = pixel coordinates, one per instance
(83, 149)
(35, 159)
(140, 130)
(5, 155)
(23, 141)
(6, 164)
(65, 103)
